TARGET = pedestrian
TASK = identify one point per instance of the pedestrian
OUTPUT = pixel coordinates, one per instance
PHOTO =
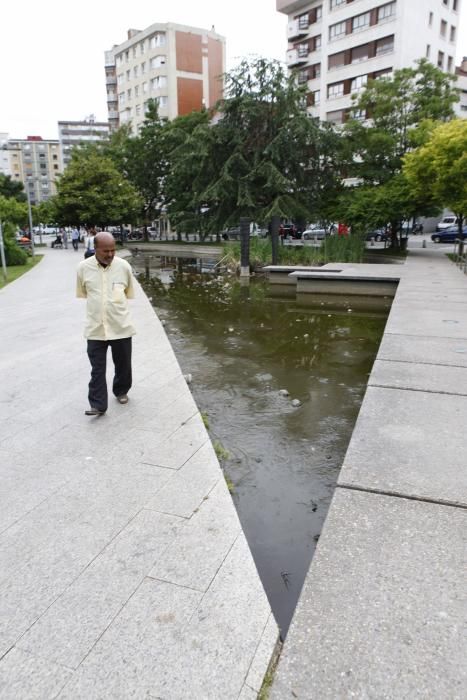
(89, 243)
(64, 236)
(106, 282)
(75, 238)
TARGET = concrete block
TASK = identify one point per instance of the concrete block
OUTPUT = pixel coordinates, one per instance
(423, 349)
(176, 449)
(419, 377)
(399, 446)
(381, 611)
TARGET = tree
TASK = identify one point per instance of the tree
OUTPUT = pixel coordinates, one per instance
(10, 188)
(438, 169)
(92, 191)
(141, 159)
(13, 213)
(401, 111)
(261, 156)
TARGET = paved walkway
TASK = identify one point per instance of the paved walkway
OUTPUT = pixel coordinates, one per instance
(383, 609)
(124, 571)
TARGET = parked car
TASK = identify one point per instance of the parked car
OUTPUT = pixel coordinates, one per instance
(447, 222)
(449, 235)
(318, 232)
(378, 234)
(289, 231)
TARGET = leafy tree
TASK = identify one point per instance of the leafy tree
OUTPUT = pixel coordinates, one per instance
(141, 159)
(92, 191)
(438, 169)
(400, 110)
(11, 188)
(13, 213)
(261, 156)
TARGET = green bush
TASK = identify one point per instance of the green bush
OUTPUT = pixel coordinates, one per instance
(14, 255)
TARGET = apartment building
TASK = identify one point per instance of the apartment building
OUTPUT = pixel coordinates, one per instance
(75, 133)
(180, 67)
(461, 72)
(36, 162)
(336, 46)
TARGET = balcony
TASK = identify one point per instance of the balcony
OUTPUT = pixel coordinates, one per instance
(111, 80)
(113, 114)
(297, 57)
(297, 29)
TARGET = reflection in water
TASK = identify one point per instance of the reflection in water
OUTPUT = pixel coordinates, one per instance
(242, 347)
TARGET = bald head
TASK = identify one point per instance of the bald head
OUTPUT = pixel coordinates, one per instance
(104, 246)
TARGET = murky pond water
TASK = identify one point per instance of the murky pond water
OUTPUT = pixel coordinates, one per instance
(242, 348)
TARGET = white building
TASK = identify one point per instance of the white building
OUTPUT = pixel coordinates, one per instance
(4, 155)
(335, 46)
(178, 66)
(461, 106)
(75, 133)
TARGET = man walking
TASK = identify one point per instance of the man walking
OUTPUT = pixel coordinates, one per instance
(75, 238)
(106, 282)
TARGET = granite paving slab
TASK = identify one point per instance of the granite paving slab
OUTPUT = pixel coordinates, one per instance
(399, 445)
(419, 377)
(380, 614)
(82, 527)
(423, 349)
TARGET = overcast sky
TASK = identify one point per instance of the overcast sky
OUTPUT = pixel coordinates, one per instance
(52, 51)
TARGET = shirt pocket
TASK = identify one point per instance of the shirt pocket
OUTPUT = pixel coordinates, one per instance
(118, 292)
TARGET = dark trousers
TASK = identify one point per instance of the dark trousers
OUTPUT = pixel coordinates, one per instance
(121, 356)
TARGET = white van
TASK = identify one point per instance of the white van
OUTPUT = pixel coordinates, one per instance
(447, 221)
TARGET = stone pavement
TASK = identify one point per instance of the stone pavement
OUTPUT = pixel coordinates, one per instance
(383, 609)
(124, 571)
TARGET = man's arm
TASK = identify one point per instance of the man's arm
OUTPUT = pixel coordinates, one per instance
(129, 291)
(80, 288)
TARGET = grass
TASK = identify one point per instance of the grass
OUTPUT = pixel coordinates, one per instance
(219, 449)
(15, 271)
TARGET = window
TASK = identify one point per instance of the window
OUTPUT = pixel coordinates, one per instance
(359, 114)
(385, 12)
(157, 61)
(128, 75)
(385, 45)
(336, 30)
(428, 49)
(136, 90)
(303, 21)
(317, 42)
(360, 53)
(443, 27)
(159, 82)
(450, 62)
(454, 5)
(319, 13)
(302, 50)
(127, 56)
(143, 68)
(440, 59)
(430, 19)
(335, 90)
(138, 110)
(145, 87)
(134, 51)
(142, 47)
(452, 35)
(162, 100)
(135, 71)
(121, 97)
(336, 3)
(336, 117)
(302, 77)
(361, 22)
(336, 60)
(157, 39)
(316, 97)
(358, 83)
(119, 78)
(128, 93)
(446, 2)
